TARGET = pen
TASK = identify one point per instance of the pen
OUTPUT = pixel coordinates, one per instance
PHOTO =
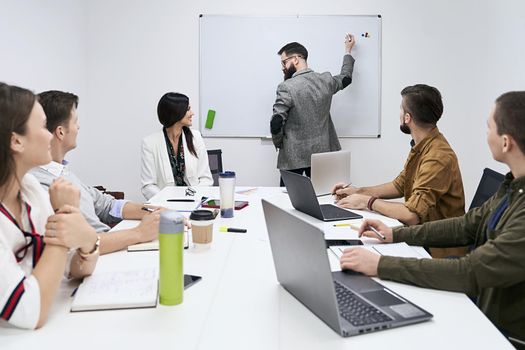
(378, 234)
(342, 188)
(371, 228)
(149, 210)
(203, 200)
(231, 229)
(180, 200)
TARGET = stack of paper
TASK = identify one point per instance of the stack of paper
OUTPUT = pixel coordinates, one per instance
(402, 250)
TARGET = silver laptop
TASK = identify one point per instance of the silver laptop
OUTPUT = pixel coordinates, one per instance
(303, 198)
(349, 303)
(329, 168)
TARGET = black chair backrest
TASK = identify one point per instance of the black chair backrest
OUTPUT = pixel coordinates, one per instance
(215, 161)
(489, 184)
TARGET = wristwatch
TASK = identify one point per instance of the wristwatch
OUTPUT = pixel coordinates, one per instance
(91, 253)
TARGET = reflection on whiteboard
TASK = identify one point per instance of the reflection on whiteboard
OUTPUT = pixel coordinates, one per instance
(240, 70)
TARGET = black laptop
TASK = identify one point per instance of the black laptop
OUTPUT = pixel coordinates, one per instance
(350, 304)
(303, 198)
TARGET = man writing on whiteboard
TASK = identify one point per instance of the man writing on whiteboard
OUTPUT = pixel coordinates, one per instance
(301, 123)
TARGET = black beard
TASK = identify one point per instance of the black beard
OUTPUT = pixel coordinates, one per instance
(288, 72)
(405, 129)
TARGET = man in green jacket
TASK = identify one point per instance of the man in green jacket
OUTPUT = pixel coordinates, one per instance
(495, 270)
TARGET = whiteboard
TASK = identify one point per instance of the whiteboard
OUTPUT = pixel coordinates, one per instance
(239, 70)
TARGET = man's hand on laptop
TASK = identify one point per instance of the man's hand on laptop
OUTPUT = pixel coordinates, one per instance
(360, 260)
(354, 201)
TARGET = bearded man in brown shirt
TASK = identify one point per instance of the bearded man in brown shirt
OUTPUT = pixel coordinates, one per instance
(495, 270)
(430, 181)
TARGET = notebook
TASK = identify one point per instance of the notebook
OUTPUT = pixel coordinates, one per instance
(349, 303)
(303, 198)
(126, 289)
(401, 249)
(143, 247)
(329, 168)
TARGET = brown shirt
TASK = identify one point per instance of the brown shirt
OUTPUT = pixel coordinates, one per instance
(431, 182)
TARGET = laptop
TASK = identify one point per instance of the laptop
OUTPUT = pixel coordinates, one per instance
(349, 303)
(303, 198)
(329, 168)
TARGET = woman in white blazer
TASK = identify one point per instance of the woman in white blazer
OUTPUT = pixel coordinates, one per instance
(175, 156)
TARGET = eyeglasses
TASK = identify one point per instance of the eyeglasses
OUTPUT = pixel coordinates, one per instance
(190, 191)
(283, 62)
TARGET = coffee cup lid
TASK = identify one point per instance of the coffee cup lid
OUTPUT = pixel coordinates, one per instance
(227, 174)
(201, 215)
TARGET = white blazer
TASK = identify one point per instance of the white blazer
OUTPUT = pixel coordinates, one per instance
(156, 172)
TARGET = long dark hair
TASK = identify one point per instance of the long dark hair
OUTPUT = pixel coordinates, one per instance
(15, 107)
(172, 107)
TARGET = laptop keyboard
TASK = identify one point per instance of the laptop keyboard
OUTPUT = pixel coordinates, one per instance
(355, 310)
(331, 211)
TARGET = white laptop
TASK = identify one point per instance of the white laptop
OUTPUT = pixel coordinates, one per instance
(328, 169)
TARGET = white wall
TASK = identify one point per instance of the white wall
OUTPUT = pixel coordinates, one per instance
(121, 56)
(43, 44)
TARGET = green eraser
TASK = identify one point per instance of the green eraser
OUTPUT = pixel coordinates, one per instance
(209, 119)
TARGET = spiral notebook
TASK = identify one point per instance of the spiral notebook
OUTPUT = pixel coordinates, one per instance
(126, 289)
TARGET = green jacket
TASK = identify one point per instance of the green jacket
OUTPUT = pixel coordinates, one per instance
(494, 271)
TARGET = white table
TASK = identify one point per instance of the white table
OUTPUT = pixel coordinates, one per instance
(240, 305)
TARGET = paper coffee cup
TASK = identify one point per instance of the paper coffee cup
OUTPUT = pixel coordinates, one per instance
(202, 227)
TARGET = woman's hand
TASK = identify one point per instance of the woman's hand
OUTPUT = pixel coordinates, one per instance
(69, 228)
(62, 192)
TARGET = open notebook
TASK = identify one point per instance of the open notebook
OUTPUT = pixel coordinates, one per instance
(125, 289)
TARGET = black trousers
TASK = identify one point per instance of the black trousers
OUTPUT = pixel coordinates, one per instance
(300, 171)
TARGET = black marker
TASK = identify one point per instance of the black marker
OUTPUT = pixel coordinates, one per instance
(231, 229)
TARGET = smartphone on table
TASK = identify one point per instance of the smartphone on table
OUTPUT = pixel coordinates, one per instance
(348, 242)
(190, 280)
(215, 203)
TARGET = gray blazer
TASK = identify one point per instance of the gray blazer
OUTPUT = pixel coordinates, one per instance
(303, 102)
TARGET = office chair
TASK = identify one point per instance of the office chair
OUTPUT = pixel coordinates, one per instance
(488, 185)
(215, 161)
(116, 194)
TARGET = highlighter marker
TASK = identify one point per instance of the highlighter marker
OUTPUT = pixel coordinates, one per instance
(231, 229)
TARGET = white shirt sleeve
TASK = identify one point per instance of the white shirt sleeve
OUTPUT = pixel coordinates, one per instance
(19, 295)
